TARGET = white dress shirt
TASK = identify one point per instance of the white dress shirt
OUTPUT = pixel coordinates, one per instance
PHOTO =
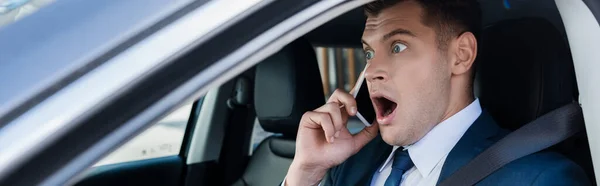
(429, 153)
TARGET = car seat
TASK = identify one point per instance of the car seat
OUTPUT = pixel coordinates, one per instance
(287, 85)
(525, 70)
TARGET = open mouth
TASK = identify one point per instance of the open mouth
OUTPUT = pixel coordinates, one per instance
(384, 106)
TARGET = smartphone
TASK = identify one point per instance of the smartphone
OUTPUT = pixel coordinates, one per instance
(366, 110)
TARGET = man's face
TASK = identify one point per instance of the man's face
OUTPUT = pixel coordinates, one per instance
(407, 75)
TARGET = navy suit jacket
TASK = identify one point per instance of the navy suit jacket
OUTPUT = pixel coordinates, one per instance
(542, 168)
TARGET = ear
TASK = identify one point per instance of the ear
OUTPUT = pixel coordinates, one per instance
(464, 53)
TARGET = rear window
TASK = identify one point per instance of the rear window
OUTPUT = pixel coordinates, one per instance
(340, 67)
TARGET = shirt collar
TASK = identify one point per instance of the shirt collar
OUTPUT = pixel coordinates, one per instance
(437, 143)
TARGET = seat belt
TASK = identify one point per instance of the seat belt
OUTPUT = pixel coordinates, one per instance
(539, 134)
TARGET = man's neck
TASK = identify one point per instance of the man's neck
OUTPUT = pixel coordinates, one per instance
(457, 105)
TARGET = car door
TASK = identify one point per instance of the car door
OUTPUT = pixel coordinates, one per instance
(83, 77)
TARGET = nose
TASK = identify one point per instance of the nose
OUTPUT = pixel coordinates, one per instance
(376, 73)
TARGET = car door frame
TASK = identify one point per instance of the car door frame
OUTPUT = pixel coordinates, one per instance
(149, 96)
(582, 28)
(22, 151)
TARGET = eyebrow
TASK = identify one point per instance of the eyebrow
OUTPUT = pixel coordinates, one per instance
(398, 31)
(365, 43)
(387, 36)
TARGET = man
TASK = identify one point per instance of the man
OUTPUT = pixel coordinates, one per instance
(420, 75)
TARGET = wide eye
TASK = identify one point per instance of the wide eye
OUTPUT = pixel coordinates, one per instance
(398, 47)
(369, 54)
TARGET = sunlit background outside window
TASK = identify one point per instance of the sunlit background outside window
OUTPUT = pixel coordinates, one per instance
(340, 67)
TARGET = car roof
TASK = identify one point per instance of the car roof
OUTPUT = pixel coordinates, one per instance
(47, 50)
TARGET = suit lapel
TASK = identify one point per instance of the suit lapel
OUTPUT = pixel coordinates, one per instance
(379, 158)
(483, 133)
(359, 168)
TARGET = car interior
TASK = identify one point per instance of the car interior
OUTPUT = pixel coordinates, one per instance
(524, 70)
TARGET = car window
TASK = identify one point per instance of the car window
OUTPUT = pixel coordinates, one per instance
(340, 68)
(13, 10)
(162, 139)
(258, 135)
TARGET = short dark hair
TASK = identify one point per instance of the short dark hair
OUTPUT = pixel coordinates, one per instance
(449, 18)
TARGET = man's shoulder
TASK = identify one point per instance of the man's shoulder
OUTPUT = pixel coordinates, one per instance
(541, 161)
(540, 169)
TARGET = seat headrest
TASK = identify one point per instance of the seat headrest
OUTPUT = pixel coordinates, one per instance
(524, 70)
(288, 84)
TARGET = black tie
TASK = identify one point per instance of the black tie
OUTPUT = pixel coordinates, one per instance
(400, 165)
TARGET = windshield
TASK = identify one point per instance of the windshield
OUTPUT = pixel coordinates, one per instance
(13, 10)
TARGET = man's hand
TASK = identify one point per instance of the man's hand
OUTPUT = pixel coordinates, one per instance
(323, 140)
